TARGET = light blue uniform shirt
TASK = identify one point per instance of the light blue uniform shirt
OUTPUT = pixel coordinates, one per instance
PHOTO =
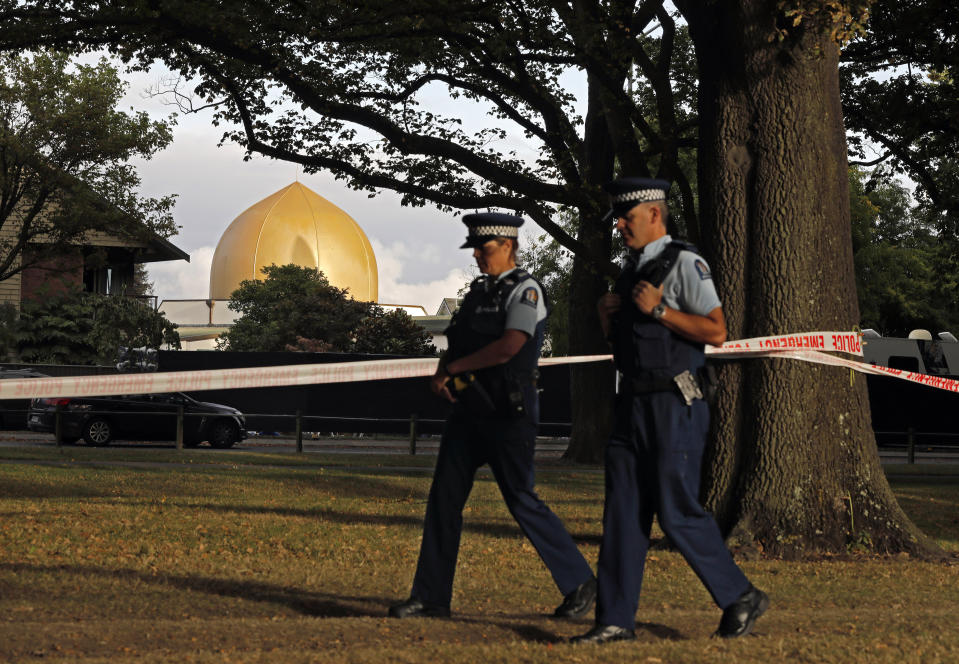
(525, 306)
(689, 285)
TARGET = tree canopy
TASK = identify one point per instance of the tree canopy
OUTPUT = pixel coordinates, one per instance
(291, 301)
(905, 274)
(65, 151)
(73, 327)
(901, 100)
(297, 308)
(393, 333)
(347, 88)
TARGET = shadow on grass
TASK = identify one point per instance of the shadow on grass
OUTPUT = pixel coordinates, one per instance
(27, 488)
(661, 631)
(505, 530)
(316, 604)
(532, 632)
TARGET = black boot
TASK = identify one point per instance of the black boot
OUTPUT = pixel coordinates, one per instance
(579, 601)
(414, 608)
(740, 616)
(605, 634)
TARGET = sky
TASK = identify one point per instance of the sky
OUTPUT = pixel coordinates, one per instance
(417, 249)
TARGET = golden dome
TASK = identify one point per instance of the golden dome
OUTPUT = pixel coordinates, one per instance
(295, 225)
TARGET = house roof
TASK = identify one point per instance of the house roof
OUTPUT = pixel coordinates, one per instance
(149, 247)
(160, 249)
(448, 306)
(432, 324)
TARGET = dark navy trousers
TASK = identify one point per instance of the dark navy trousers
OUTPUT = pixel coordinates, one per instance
(507, 446)
(653, 462)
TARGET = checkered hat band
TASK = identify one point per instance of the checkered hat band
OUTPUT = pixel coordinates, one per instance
(504, 231)
(641, 195)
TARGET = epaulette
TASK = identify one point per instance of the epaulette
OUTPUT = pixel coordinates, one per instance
(516, 276)
(683, 245)
(481, 282)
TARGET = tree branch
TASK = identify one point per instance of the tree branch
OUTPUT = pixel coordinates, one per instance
(601, 264)
(404, 141)
(874, 162)
(902, 154)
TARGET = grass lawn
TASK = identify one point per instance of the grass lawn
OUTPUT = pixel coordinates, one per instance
(159, 556)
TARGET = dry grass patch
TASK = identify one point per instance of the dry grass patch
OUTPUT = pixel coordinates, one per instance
(233, 558)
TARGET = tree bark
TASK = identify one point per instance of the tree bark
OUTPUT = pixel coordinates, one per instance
(591, 385)
(792, 465)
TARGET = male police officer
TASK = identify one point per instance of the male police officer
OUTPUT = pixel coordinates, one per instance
(664, 309)
(494, 346)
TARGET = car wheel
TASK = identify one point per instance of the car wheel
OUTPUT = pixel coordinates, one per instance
(222, 434)
(97, 432)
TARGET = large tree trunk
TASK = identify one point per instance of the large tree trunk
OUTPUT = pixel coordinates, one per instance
(591, 385)
(793, 464)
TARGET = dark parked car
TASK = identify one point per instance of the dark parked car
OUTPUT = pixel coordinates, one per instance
(98, 420)
(13, 412)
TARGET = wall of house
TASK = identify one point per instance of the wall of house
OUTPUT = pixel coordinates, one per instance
(10, 291)
(9, 288)
(51, 276)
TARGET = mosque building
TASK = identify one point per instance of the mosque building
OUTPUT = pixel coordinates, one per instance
(292, 225)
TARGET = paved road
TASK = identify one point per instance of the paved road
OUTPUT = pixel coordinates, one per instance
(546, 448)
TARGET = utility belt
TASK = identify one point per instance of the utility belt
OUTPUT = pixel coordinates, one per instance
(691, 386)
(496, 396)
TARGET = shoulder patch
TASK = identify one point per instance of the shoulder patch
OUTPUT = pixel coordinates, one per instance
(530, 296)
(702, 269)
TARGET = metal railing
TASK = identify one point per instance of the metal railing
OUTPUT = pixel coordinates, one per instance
(413, 422)
(910, 437)
(298, 420)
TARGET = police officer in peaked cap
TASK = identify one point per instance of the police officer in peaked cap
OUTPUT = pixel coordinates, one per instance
(663, 311)
(489, 373)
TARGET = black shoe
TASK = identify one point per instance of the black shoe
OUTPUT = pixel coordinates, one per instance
(605, 634)
(414, 608)
(578, 601)
(740, 616)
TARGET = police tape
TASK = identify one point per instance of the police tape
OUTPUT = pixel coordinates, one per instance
(835, 342)
(215, 379)
(818, 357)
(809, 347)
(789, 349)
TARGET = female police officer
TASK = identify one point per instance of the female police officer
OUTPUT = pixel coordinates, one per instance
(494, 344)
(664, 310)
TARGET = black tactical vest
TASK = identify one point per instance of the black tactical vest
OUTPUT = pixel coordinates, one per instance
(481, 320)
(643, 348)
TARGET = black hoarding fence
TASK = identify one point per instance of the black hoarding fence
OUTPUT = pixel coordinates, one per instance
(376, 406)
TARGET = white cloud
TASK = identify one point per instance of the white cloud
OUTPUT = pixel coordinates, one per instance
(390, 261)
(179, 280)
